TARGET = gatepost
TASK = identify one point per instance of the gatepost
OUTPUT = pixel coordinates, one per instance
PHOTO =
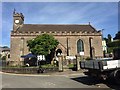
(60, 60)
(78, 58)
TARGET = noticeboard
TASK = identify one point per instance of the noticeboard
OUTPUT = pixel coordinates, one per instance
(41, 57)
(81, 53)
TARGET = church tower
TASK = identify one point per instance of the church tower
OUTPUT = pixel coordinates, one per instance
(18, 20)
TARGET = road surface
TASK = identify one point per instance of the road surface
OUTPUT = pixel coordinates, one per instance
(52, 81)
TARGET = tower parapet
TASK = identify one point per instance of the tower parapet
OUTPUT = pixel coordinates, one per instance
(18, 20)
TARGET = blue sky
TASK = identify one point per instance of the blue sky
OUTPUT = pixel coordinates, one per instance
(102, 15)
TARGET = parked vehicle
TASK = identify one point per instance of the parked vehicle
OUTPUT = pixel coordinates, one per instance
(102, 68)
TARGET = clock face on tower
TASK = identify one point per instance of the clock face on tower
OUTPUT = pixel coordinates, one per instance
(17, 21)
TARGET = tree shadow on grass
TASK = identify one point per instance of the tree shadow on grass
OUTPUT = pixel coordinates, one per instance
(94, 81)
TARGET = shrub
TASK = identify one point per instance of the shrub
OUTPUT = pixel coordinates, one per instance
(88, 58)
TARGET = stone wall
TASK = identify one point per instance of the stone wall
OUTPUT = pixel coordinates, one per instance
(19, 45)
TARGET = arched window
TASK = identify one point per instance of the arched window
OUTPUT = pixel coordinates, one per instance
(80, 46)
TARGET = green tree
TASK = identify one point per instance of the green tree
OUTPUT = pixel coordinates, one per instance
(106, 39)
(42, 44)
(115, 44)
(109, 38)
(117, 36)
(5, 47)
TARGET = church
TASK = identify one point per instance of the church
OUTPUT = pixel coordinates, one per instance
(74, 39)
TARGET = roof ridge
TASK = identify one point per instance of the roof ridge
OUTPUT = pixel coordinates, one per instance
(57, 27)
(57, 24)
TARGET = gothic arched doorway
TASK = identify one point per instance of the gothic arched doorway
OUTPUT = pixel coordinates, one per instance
(58, 52)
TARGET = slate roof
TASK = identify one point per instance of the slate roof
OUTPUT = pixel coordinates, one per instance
(56, 27)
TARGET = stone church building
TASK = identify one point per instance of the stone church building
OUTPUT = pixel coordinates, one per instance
(74, 39)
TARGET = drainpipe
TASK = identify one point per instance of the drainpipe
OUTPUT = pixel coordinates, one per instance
(67, 47)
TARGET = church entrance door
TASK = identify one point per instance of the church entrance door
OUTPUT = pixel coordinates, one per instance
(58, 52)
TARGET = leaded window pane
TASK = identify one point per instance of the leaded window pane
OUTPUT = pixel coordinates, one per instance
(80, 46)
